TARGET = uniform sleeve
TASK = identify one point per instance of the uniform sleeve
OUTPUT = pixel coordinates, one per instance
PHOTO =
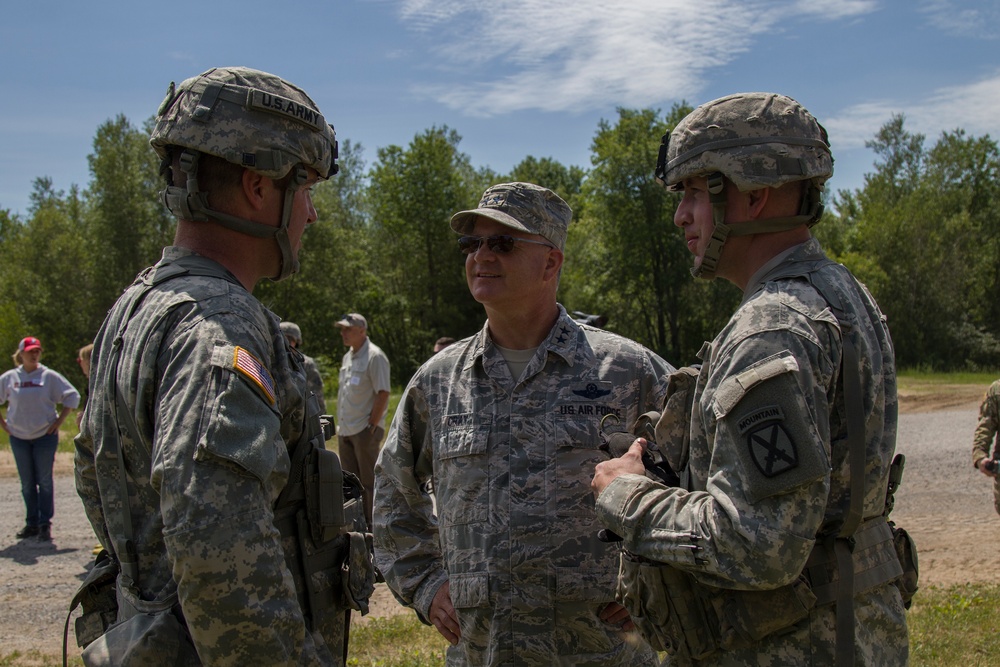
(85, 474)
(218, 462)
(989, 422)
(407, 550)
(768, 478)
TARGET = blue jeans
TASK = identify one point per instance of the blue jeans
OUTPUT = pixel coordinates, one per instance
(34, 459)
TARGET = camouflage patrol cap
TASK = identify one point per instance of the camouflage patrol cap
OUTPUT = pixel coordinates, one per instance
(248, 117)
(754, 139)
(523, 206)
(292, 330)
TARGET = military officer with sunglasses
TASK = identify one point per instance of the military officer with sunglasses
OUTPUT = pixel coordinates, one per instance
(504, 559)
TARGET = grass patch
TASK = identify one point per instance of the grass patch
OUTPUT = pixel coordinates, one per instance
(396, 641)
(915, 378)
(955, 626)
(949, 627)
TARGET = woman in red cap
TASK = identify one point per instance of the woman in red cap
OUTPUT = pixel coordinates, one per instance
(32, 392)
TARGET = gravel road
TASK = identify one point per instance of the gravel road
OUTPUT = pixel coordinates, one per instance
(945, 504)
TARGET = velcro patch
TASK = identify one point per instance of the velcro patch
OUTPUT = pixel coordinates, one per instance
(290, 109)
(251, 368)
(772, 449)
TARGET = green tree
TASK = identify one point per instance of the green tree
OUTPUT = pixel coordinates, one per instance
(412, 194)
(626, 259)
(126, 224)
(924, 240)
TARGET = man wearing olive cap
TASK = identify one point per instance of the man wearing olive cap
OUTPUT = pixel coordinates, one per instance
(505, 424)
(199, 409)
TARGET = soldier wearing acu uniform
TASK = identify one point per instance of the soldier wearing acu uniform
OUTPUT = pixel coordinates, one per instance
(293, 334)
(191, 455)
(774, 549)
(509, 567)
(984, 440)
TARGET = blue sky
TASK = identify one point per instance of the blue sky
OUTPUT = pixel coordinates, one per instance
(512, 77)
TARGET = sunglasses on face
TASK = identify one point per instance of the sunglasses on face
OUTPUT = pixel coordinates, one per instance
(500, 244)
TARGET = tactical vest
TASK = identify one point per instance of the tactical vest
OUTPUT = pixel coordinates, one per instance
(319, 514)
(693, 621)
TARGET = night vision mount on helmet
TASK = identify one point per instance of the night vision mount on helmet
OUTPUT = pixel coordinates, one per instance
(251, 119)
(756, 140)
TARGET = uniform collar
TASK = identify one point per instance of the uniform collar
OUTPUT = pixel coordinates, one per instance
(563, 340)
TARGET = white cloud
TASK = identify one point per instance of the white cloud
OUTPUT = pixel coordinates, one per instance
(563, 55)
(971, 107)
(979, 21)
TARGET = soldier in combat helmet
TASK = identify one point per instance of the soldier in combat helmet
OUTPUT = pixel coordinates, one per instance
(774, 549)
(314, 380)
(199, 408)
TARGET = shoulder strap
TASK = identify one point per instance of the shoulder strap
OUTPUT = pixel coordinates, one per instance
(120, 412)
(843, 542)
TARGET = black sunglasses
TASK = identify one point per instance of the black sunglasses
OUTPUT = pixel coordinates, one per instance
(501, 243)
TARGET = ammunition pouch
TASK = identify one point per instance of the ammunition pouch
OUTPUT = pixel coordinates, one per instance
(691, 620)
(327, 547)
(97, 599)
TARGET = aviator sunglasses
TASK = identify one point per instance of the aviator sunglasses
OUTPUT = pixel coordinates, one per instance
(500, 244)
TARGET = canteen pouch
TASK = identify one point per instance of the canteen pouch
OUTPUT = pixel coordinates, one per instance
(150, 633)
(97, 599)
(906, 551)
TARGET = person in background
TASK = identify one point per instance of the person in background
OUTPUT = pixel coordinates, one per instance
(362, 400)
(83, 359)
(508, 565)
(38, 401)
(293, 334)
(984, 442)
(442, 342)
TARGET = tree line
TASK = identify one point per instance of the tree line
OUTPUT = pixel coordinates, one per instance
(923, 233)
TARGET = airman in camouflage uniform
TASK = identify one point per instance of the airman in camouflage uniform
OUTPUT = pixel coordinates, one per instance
(984, 440)
(193, 380)
(504, 557)
(751, 538)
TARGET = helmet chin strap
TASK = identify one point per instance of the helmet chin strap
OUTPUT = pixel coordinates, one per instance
(810, 212)
(191, 204)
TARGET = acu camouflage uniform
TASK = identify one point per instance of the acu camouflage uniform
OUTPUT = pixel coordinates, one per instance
(510, 462)
(768, 468)
(983, 444)
(215, 394)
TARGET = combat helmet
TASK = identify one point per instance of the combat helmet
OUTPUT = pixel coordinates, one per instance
(755, 140)
(291, 330)
(251, 119)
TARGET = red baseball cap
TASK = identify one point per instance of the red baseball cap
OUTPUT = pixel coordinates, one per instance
(28, 344)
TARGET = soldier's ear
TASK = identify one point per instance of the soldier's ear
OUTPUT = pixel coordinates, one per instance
(255, 188)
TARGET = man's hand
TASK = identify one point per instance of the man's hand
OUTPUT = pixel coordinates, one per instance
(618, 616)
(981, 464)
(443, 615)
(628, 463)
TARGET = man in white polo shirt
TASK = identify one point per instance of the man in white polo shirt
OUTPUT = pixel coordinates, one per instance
(362, 400)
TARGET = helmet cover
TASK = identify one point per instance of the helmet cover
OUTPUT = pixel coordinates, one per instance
(249, 118)
(755, 140)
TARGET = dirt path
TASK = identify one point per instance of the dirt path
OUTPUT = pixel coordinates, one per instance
(945, 504)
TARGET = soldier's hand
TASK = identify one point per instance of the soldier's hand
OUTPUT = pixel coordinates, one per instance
(443, 615)
(985, 465)
(628, 463)
(618, 616)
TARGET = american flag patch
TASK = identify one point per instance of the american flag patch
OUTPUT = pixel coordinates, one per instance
(247, 364)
